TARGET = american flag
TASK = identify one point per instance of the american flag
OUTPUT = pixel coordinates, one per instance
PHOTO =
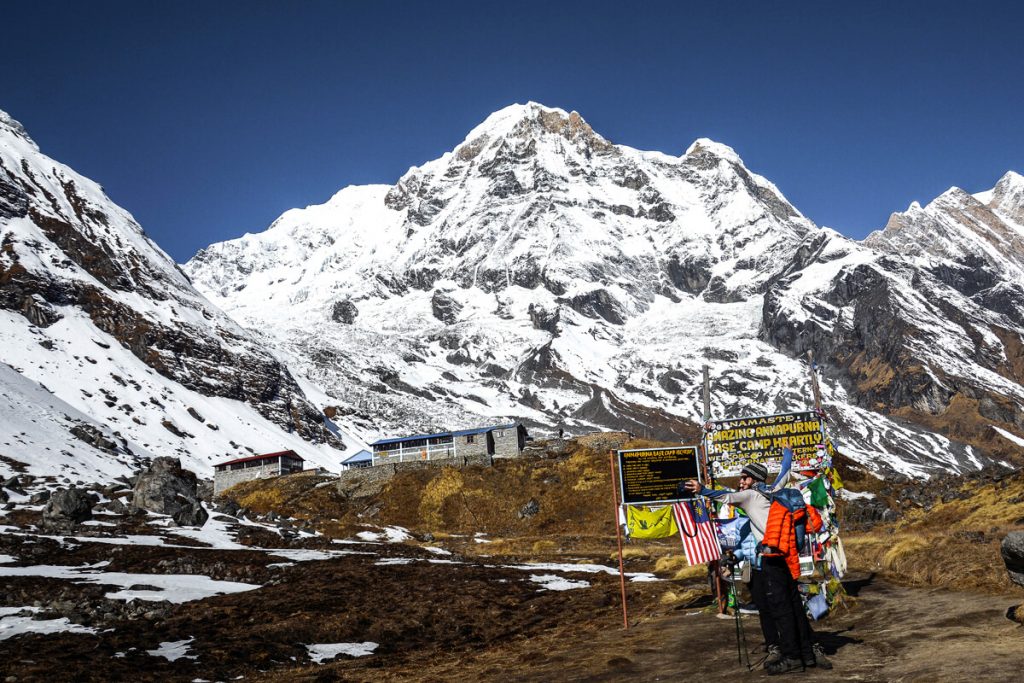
(700, 543)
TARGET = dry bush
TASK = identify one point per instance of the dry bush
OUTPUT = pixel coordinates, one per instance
(631, 553)
(669, 563)
(544, 547)
(436, 492)
(263, 500)
(673, 597)
(691, 573)
(679, 569)
(906, 555)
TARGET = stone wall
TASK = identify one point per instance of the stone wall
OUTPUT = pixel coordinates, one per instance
(477, 448)
(378, 475)
(225, 480)
(506, 442)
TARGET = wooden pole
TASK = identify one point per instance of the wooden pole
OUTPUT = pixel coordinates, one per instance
(815, 389)
(618, 538)
(720, 594)
(707, 396)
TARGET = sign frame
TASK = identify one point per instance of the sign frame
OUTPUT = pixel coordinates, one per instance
(811, 456)
(692, 462)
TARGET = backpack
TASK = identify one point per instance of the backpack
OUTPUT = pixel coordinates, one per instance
(789, 520)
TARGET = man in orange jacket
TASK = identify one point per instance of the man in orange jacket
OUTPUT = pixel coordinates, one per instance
(784, 623)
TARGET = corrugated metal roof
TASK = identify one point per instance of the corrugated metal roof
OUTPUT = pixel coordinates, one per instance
(461, 432)
(290, 454)
(359, 457)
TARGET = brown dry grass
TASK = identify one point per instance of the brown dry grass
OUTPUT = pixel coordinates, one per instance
(673, 597)
(953, 545)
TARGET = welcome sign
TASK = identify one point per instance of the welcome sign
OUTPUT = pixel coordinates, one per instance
(731, 444)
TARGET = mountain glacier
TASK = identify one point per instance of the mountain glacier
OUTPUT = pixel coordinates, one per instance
(542, 273)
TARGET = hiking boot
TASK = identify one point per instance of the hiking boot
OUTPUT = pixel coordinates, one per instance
(784, 666)
(818, 658)
(774, 655)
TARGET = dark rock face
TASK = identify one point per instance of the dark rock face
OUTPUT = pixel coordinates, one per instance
(691, 275)
(344, 312)
(718, 292)
(445, 308)
(865, 513)
(1012, 551)
(598, 303)
(68, 507)
(165, 488)
(13, 200)
(95, 438)
(673, 381)
(544, 319)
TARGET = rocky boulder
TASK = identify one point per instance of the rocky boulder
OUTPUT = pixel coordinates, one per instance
(68, 507)
(191, 515)
(1012, 550)
(165, 488)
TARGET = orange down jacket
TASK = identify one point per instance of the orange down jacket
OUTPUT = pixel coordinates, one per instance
(780, 533)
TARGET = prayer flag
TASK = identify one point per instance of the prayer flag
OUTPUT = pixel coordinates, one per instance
(700, 543)
(642, 522)
(819, 492)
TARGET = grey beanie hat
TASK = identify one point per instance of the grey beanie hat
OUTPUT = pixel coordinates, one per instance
(756, 470)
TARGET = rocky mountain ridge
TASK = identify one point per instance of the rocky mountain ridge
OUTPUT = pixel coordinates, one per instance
(540, 272)
(103, 335)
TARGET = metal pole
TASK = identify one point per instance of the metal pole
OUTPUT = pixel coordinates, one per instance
(618, 538)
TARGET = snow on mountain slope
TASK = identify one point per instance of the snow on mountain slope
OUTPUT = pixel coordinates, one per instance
(540, 272)
(91, 309)
(984, 231)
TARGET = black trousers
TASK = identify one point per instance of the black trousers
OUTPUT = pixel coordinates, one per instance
(758, 593)
(786, 609)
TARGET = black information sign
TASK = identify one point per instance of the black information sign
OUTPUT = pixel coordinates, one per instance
(731, 444)
(652, 475)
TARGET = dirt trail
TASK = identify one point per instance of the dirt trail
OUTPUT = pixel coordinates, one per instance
(889, 633)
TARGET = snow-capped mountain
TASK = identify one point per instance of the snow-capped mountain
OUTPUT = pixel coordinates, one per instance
(108, 353)
(540, 272)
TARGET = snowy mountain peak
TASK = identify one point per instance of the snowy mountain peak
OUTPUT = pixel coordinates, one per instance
(525, 121)
(1007, 198)
(9, 124)
(707, 146)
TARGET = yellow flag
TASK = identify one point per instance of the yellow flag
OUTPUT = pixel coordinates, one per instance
(643, 522)
(837, 483)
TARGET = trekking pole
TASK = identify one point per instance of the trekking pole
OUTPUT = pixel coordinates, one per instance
(741, 638)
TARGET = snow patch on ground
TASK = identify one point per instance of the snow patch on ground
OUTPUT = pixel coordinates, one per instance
(174, 588)
(389, 534)
(553, 582)
(12, 625)
(173, 650)
(321, 652)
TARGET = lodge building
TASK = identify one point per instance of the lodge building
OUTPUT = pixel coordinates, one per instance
(229, 473)
(501, 441)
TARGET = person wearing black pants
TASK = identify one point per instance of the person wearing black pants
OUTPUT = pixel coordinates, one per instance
(769, 629)
(787, 610)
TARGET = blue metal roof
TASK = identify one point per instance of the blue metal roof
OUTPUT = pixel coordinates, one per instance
(361, 456)
(461, 432)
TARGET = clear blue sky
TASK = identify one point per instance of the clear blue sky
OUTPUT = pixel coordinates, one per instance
(209, 119)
